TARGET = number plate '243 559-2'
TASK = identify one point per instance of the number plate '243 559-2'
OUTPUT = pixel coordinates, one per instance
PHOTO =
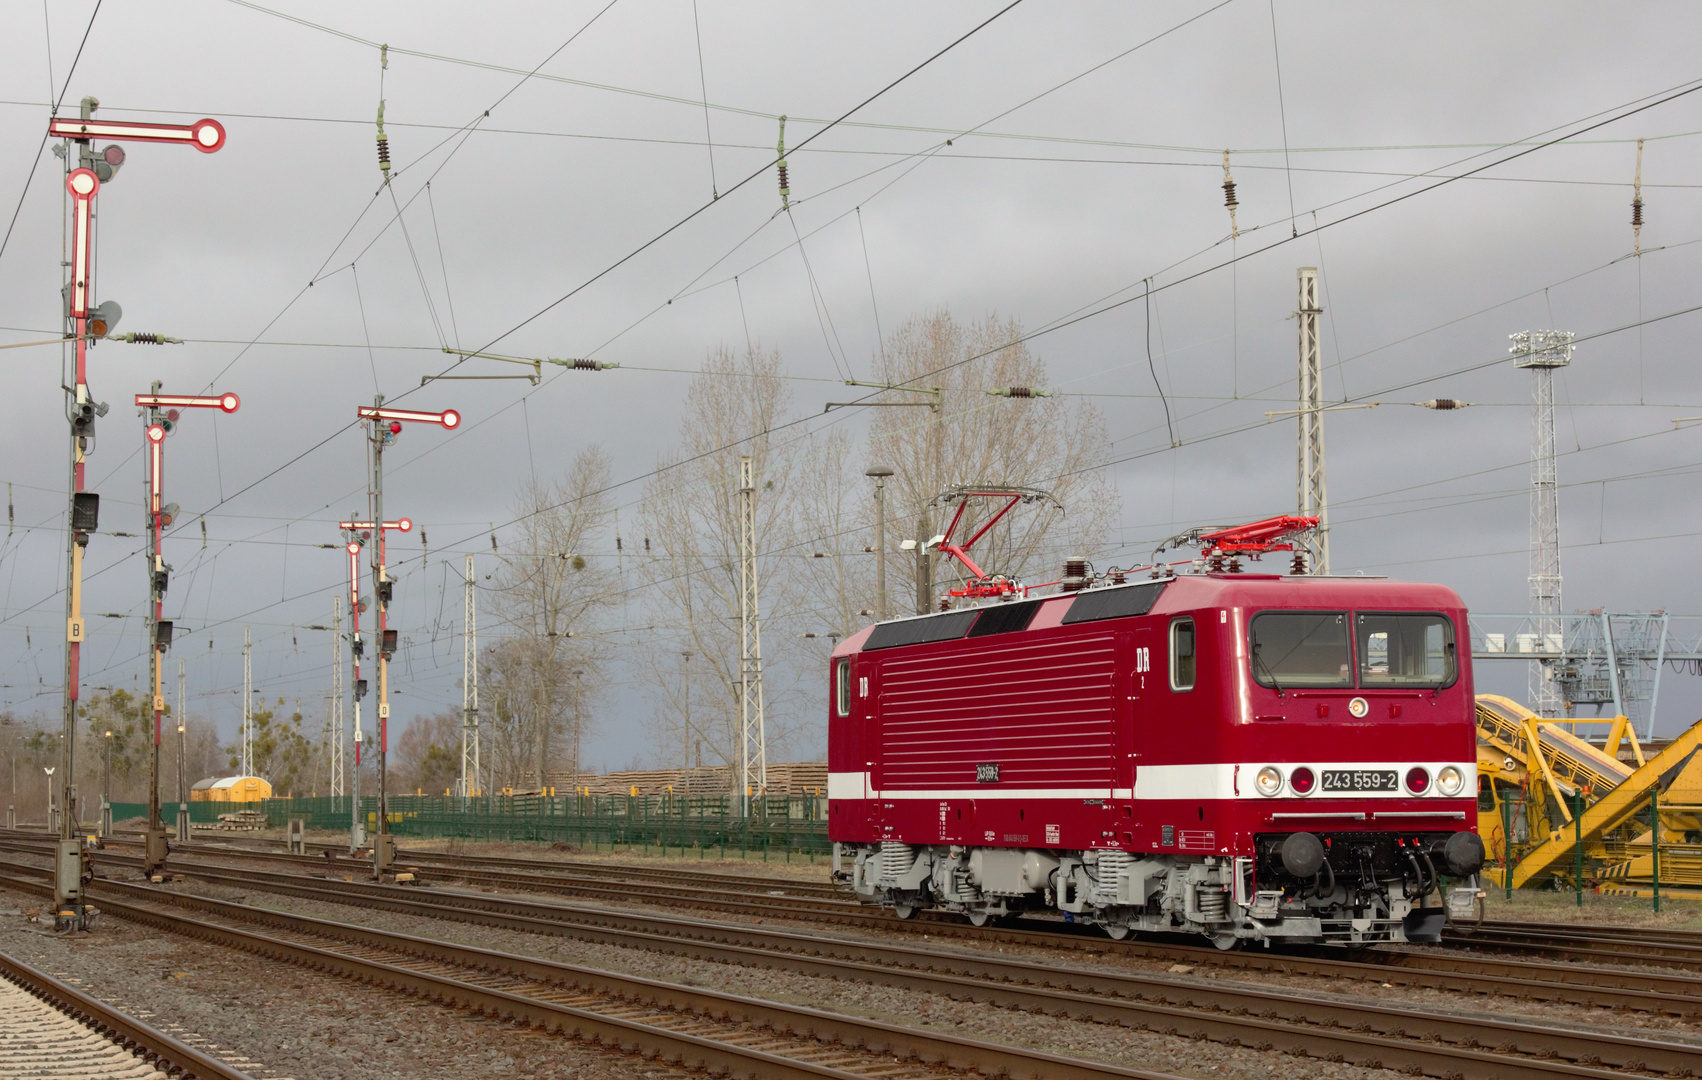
(1361, 780)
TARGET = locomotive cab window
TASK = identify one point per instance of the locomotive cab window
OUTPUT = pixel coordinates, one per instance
(1301, 649)
(842, 687)
(1406, 649)
(1182, 654)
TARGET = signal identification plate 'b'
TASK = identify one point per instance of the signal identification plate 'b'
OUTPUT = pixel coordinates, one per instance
(74, 630)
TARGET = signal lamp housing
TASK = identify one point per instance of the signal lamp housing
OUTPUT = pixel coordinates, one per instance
(389, 645)
(85, 512)
(103, 318)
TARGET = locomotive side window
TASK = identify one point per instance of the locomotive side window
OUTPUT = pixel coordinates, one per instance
(842, 687)
(1301, 648)
(1182, 654)
(1405, 649)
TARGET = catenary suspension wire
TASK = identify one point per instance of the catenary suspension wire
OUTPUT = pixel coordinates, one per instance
(34, 163)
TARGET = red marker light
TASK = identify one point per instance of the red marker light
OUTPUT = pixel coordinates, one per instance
(1418, 779)
(1302, 780)
(395, 427)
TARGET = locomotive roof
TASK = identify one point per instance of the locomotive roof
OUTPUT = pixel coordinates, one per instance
(1181, 593)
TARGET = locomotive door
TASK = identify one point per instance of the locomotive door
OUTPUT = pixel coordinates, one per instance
(1134, 667)
(866, 706)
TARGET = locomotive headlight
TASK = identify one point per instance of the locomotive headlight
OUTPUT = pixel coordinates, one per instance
(1450, 780)
(1269, 780)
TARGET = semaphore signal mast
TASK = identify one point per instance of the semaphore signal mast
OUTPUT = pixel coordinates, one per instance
(85, 323)
(160, 415)
(385, 425)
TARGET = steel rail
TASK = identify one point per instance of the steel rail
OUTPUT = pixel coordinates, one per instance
(1285, 1020)
(152, 1045)
(1377, 1036)
(836, 1030)
(1676, 995)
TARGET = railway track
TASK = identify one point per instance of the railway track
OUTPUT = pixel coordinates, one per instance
(51, 1029)
(1476, 973)
(696, 1027)
(576, 877)
(1674, 995)
(757, 897)
(1371, 1035)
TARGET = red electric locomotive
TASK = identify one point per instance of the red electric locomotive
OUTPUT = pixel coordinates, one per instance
(1241, 755)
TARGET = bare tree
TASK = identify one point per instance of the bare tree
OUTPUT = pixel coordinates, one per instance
(548, 594)
(974, 437)
(690, 514)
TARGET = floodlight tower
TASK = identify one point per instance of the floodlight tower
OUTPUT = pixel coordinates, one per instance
(85, 322)
(160, 416)
(384, 426)
(1542, 351)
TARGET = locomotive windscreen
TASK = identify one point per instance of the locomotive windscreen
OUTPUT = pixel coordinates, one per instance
(1301, 648)
(1405, 649)
(918, 631)
(1099, 604)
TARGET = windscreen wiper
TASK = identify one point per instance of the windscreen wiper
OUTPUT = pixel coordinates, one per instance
(1260, 662)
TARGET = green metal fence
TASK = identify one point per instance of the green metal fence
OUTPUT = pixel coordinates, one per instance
(775, 826)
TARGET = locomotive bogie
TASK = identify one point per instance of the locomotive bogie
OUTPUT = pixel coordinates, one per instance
(1245, 757)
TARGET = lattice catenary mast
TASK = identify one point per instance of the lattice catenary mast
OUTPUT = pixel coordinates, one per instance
(247, 709)
(334, 719)
(753, 751)
(1542, 351)
(470, 693)
(1312, 499)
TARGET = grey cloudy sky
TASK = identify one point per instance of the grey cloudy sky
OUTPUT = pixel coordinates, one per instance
(1054, 209)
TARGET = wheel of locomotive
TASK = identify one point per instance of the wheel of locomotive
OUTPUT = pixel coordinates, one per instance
(979, 918)
(1116, 932)
(905, 911)
(1226, 942)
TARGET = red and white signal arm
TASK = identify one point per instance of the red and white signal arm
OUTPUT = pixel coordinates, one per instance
(207, 136)
(82, 184)
(400, 525)
(449, 418)
(226, 402)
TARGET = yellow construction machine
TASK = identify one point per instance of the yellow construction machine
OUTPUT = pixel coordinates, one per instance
(1556, 793)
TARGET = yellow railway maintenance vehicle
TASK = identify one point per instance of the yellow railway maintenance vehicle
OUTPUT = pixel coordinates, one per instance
(1556, 792)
